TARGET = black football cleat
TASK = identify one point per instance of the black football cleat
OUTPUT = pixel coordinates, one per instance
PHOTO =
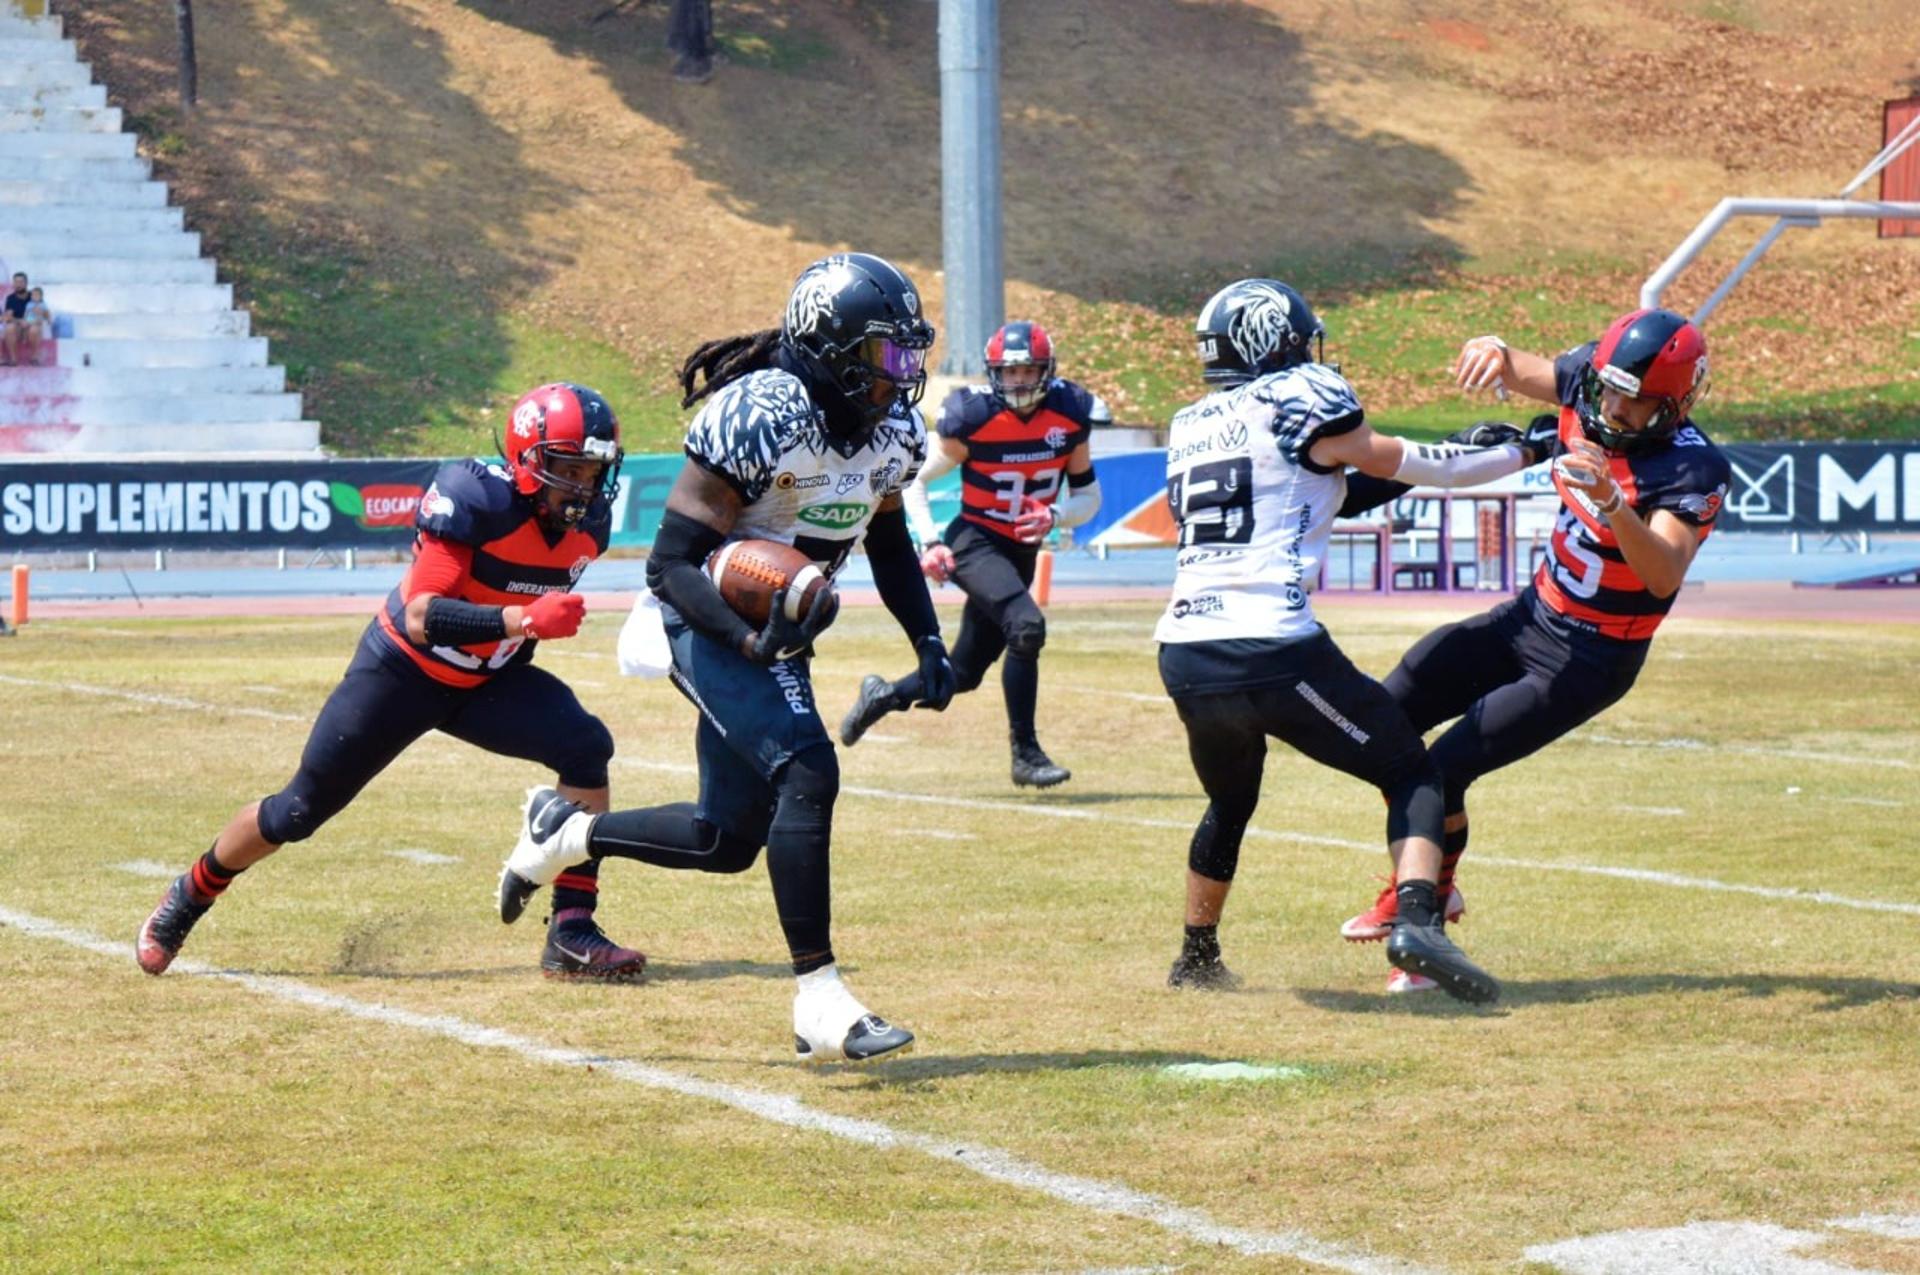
(1032, 768)
(870, 1037)
(577, 948)
(1202, 976)
(167, 928)
(874, 702)
(1427, 951)
(515, 893)
(830, 1025)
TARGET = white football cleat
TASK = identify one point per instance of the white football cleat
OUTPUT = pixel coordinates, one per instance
(829, 1025)
(553, 837)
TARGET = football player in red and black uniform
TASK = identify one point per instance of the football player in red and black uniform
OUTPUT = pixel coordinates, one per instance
(1640, 488)
(1025, 468)
(496, 556)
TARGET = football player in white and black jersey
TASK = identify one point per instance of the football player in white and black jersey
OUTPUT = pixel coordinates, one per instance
(809, 436)
(1641, 486)
(1021, 443)
(1256, 472)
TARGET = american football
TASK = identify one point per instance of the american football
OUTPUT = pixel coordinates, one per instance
(749, 572)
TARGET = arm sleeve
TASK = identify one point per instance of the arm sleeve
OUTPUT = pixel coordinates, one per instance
(1365, 492)
(919, 508)
(674, 574)
(439, 566)
(1451, 465)
(1081, 501)
(896, 574)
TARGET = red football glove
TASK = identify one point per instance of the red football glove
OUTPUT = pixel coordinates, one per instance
(1034, 522)
(554, 615)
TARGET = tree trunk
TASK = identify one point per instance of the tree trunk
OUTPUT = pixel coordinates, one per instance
(189, 65)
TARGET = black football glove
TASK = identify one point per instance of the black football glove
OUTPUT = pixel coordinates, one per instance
(783, 639)
(1486, 434)
(937, 682)
(1542, 438)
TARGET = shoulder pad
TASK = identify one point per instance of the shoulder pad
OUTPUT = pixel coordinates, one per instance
(470, 503)
(965, 411)
(744, 428)
(1077, 403)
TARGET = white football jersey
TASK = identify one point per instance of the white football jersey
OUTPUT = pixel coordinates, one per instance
(1253, 511)
(763, 435)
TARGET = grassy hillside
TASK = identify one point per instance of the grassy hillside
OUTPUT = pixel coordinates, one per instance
(430, 205)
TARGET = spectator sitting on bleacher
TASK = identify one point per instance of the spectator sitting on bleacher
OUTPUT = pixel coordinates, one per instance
(17, 332)
(39, 324)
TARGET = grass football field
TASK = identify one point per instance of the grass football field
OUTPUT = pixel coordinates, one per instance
(1704, 907)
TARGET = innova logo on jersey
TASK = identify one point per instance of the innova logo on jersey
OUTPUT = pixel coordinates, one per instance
(839, 516)
(790, 481)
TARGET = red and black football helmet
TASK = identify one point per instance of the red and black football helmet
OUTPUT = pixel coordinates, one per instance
(563, 420)
(1654, 354)
(1020, 344)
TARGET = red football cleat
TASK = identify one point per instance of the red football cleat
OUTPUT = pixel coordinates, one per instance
(1377, 921)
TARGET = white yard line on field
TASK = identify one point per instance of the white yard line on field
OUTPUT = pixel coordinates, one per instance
(988, 1162)
(1037, 810)
(427, 858)
(147, 868)
(160, 701)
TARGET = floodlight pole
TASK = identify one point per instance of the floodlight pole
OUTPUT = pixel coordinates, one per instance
(970, 180)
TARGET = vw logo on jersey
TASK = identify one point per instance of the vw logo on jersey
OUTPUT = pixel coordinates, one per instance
(1260, 323)
(1232, 438)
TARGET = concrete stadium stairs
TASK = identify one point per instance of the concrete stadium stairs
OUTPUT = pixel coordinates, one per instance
(151, 357)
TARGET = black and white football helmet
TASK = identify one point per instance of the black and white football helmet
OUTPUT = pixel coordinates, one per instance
(855, 319)
(1254, 327)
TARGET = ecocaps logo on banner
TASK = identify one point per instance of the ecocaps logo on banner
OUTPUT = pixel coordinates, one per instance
(377, 505)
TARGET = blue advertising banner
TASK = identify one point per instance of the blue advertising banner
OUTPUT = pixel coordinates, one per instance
(334, 504)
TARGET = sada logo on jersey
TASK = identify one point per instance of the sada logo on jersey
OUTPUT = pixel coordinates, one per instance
(839, 515)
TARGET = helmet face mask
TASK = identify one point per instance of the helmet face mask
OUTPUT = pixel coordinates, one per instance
(855, 318)
(1652, 356)
(555, 433)
(1020, 345)
(1255, 327)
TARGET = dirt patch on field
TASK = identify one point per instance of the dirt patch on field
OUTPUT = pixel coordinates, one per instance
(537, 158)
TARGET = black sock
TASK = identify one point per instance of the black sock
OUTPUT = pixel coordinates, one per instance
(1020, 682)
(1419, 902)
(577, 887)
(207, 879)
(905, 691)
(1202, 944)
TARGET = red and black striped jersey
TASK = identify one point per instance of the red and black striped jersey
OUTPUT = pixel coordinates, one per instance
(1011, 460)
(1585, 578)
(473, 509)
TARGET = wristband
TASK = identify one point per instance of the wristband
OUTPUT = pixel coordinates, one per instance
(1612, 507)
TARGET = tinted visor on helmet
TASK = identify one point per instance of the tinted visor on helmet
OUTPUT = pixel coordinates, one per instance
(890, 359)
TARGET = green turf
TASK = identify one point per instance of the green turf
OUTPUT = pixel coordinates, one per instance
(1662, 1055)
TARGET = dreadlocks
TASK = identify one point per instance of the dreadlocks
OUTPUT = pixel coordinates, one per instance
(725, 360)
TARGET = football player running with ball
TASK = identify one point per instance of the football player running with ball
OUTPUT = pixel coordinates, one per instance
(1026, 467)
(1640, 487)
(1256, 471)
(497, 553)
(809, 438)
